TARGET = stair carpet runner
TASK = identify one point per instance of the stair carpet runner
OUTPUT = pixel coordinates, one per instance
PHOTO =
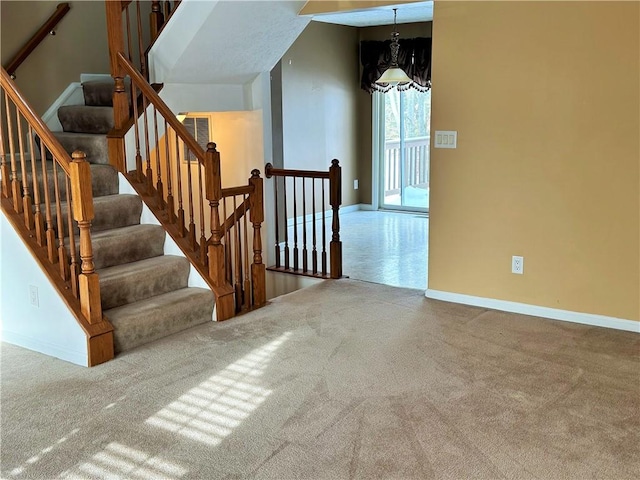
(144, 292)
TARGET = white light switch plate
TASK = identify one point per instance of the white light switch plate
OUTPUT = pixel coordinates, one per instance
(446, 139)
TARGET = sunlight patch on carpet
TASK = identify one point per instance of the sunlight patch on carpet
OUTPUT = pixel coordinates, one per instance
(120, 461)
(211, 411)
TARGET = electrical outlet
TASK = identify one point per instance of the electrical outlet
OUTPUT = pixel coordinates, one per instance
(33, 296)
(355, 184)
(517, 265)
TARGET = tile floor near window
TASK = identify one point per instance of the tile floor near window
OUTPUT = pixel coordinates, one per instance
(385, 247)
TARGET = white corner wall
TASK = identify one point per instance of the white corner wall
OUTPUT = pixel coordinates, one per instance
(49, 328)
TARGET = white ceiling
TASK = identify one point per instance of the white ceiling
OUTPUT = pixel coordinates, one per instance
(383, 15)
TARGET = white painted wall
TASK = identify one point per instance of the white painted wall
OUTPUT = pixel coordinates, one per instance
(49, 328)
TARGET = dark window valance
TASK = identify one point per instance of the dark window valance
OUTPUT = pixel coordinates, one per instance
(414, 57)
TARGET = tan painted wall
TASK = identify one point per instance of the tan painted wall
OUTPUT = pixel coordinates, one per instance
(319, 88)
(409, 30)
(545, 99)
(57, 61)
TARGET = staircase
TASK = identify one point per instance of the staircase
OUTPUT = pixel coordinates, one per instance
(144, 293)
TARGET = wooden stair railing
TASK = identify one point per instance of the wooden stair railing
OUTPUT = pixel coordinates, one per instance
(47, 28)
(299, 193)
(46, 195)
(181, 184)
(129, 27)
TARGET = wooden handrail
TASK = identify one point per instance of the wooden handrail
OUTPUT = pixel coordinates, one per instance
(241, 190)
(269, 172)
(52, 143)
(34, 41)
(141, 83)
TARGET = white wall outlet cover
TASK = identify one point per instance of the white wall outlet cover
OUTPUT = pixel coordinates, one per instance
(517, 265)
(446, 139)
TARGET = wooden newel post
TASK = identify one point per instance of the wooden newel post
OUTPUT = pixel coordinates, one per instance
(82, 198)
(335, 247)
(156, 18)
(213, 186)
(256, 215)
(115, 35)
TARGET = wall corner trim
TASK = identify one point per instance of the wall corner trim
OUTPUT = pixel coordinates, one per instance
(536, 311)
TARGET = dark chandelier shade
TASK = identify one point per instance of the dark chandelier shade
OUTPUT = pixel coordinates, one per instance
(414, 57)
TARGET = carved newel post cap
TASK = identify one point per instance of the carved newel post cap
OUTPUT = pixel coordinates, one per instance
(78, 156)
(211, 146)
(255, 173)
(335, 162)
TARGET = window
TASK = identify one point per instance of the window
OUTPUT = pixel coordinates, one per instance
(199, 128)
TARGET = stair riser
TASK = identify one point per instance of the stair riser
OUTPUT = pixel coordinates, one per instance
(107, 215)
(141, 284)
(168, 316)
(94, 146)
(132, 247)
(86, 119)
(104, 181)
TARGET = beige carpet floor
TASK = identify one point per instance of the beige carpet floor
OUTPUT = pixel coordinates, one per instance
(342, 380)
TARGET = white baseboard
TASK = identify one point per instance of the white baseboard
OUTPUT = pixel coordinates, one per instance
(90, 77)
(72, 95)
(79, 358)
(367, 206)
(536, 311)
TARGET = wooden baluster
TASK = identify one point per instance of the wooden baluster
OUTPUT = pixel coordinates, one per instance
(167, 9)
(256, 210)
(286, 225)
(159, 187)
(247, 282)
(180, 219)
(227, 243)
(170, 205)
(4, 166)
(237, 256)
(37, 218)
(324, 232)
(74, 267)
(143, 63)
(148, 172)
(50, 233)
(136, 134)
(305, 253)
(27, 202)
(335, 185)
(192, 225)
(156, 19)
(275, 194)
(295, 226)
(314, 252)
(15, 183)
(201, 206)
(89, 285)
(129, 45)
(214, 193)
(63, 261)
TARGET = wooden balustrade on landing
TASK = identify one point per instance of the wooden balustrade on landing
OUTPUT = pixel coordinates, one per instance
(316, 190)
(46, 196)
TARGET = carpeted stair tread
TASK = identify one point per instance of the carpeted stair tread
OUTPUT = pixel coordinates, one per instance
(153, 318)
(92, 144)
(125, 245)
(135, 281)
(86, 119)
(99, 93)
